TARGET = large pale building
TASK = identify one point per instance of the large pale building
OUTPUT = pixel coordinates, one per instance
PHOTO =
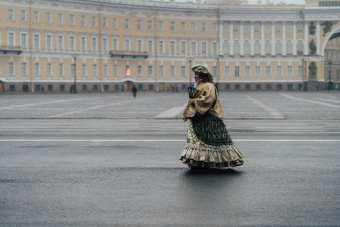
(108, 45)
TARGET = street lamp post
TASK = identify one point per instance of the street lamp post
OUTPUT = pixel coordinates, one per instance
(75, 55)
(305, 59)
(190, 59)
(330, 84)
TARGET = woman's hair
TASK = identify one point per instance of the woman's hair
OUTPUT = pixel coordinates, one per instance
(206, 78)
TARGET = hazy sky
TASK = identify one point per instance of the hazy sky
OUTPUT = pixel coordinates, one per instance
(263, 1)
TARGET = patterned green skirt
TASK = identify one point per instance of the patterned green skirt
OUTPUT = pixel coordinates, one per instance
(209, 144)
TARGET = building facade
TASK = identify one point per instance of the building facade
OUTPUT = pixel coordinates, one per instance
(109, 45)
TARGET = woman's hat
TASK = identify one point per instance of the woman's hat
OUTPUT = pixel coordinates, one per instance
(200, 69)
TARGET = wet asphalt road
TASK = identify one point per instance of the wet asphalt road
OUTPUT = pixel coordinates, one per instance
(116, 172)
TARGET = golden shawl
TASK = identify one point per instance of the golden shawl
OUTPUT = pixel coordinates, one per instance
(205, 100)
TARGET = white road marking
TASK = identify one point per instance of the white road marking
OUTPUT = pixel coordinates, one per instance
(172, 113)
(329, 100)
(272, 111)
(128, 141)
(37, 104)
(311, 101)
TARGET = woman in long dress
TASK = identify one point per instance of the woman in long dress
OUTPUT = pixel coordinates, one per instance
(208, 143)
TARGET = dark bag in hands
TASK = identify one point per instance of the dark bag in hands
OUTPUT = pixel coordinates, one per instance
(192, 92)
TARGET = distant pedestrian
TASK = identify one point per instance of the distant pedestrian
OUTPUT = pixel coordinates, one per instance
(134, 91)
(176, 87)
(173, 88)
(208, 143)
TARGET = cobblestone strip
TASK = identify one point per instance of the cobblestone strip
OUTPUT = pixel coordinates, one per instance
(311, 101)
(273, 112)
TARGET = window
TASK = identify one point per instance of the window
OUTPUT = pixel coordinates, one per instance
(60, 18)
(300, 71)
(23, 16)
(246, 47)
(193, 48)
(72, 43)
(183, 27)
(183, 71)
(204, 27)
(214, 71)
(127, 45)
(289, 28)
(71, 22)
(104, 44)
(268, 47)
(237, 71)
(61, 70)
(11, 39)
(49, 69)
(279, 86)
(267, 28)
(60, 43)
(258, 87)
(83, 43)
(172, 26)
(257, 47)
(139, 71)
(11, 69)
(246, 27)
(248, 86)
(290, 71)
(278, 72)
(268, 72)
(36, 17)
(94, 70)
(235, 27)
(289, 47)
(172, 71)
(10, 15)
(150, 46)
(225, 27)
(115, 23)
(269, 87)
(214, 48)
(226, 72)
(36, 41)
(236, 47)
(24, 69)
(82, 20)
(300, 28)
(161, 71)
(204, 47)
(172, 47)
(258, 71)
(115, 44)
(139, 24)
(299, 46)
(24, 40)
(225, 47)
(127, 24)
(83, 70)
(183, 47)
(94, 21)
(149, 25)
(105, 70)
(12, 87)
(161, 46)
(257, 28)
(193, 27)
(115, 71)
(94, 43)
(150, 71)
(104, 22)
(214, 27)
(278, 47)
(139, 45)
(247, 71)
(277, 28)
(48, 18)
(160, 26)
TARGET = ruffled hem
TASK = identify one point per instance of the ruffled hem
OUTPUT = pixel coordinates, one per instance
(211, 156)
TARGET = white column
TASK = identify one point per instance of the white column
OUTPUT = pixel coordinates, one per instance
(273, 38)
(262, 39)
(306, 38)
(294, 38)
(251, 38)
(283, 38)
(241, 38)
(221, 37)
(318, 51)
(231, 39)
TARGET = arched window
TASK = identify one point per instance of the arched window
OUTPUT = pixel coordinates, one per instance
(246, 47)
(289, 47)
(299, 46)
(278, 48)
(236, 47)
(257, 47)
(225, 47)
(268, 47)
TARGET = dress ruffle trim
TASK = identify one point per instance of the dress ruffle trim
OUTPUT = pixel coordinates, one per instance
(211, 156)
